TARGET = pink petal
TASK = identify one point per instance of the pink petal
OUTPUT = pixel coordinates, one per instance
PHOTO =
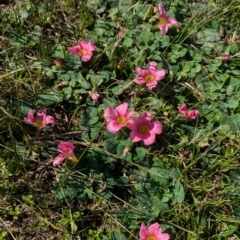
(113, 126)
(28, 121)
(110, 114)
(91, 46)
(227, 57)
(86, 57)
(58, 160)
(148, 138)
(122, 109)
(94, 96)
(146, 115)
(165, 236)
(152, 66)
(41, 113)
(172, 21)
(132, 124)
(50, 120)
(74, 49)
(65, 147)
(160, 74)
(164, 29)
(143, 232)
(154, 228)
(139, 80)
(83, 44)
(183, 113)
(140, 71)
(129, 114)
(183, 107)
(192, 114)
(161, 8)
(135, 136)
(158, 127)
(152, 84)
(30, 117)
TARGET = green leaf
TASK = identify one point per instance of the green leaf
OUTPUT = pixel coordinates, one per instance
(160, 207)
(165, 41)
(96, 80)
(141, 153)
(23, 104)
(106, 195)
(117, 90)
(63, 221)
(208, 35)
(234, 123)
(73, 226)
(178, 193)
(145, 37)
(49, 97)
(155, 103)
(230, 229)
(232, 103)
(118, 236)
(110, 145)
(109, 102)
(65, 77)
(93, 120)
(86, 85)
(128, 41)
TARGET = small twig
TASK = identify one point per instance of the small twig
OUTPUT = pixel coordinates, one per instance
(6, 227)
(55, 136)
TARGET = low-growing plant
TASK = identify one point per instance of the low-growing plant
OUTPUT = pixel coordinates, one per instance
(120, 120)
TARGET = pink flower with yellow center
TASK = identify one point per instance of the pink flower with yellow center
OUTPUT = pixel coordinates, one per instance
(165, 21)
(40, 120)
(83, 50)
(66, 152)
(184, 112)
(118, 117)
(153, 232)
(143, 129)
(149, 76)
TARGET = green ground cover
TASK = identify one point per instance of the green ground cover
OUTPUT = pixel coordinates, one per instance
(187, 179)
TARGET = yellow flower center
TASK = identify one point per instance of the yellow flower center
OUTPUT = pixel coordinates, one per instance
(151, 238)
(163, 21)
(149, 78)
(38, 122)
(121, 120)
(82, 52)
(144, 129)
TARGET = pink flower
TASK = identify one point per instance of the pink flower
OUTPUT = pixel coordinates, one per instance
(150, 76)
(165, 20)
(225, 57)
(184, 112)
(66, 152)
(58, 63)
(94, 95)
(204, 144)
(118, 117)
(41, 120)
(83, 50)
(143, 129)
(153, 232)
